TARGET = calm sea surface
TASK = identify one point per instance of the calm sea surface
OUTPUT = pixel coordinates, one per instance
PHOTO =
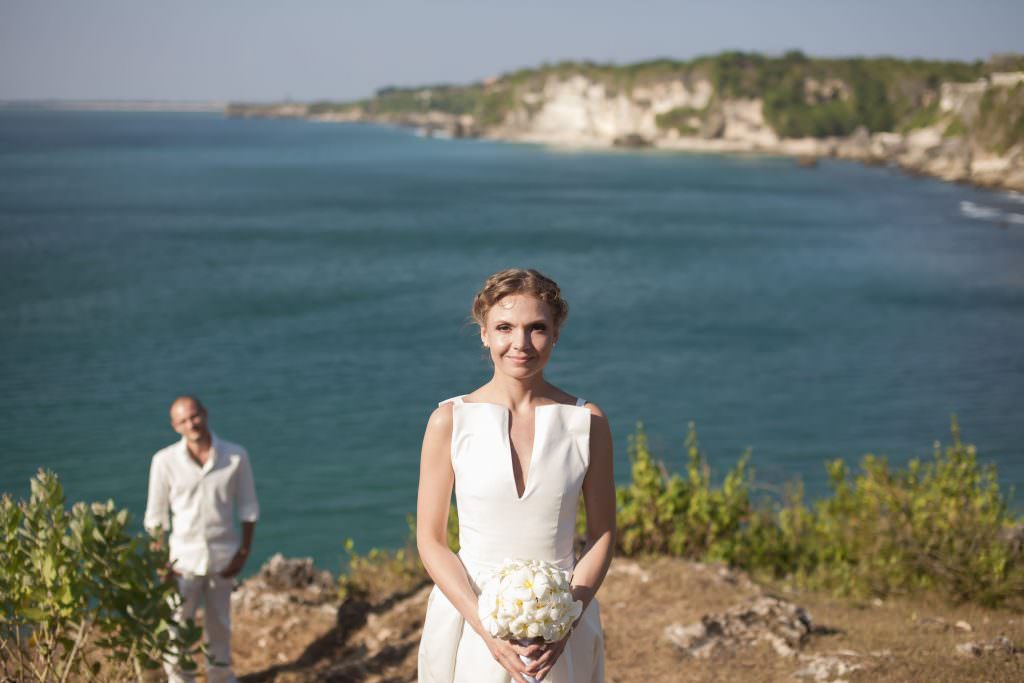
(311, 283)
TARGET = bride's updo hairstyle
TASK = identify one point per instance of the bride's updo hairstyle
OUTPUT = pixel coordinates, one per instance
(520, 281)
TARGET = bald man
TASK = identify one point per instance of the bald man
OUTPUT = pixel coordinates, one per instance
(197, 488)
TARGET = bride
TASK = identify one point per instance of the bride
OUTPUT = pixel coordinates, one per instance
(518, 452)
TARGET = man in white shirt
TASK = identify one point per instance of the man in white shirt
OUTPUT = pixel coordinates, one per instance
(204, 482)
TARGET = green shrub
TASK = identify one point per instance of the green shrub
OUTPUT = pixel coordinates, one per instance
(940, 525)
(80, 597)
(661, 513)
(380, 573)
(1000, 123)
(679, 119)
(922, 118)
(955, 129)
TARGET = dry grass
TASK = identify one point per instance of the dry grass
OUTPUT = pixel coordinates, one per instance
(913, 639)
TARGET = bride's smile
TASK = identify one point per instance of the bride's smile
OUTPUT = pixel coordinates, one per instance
(519, 333)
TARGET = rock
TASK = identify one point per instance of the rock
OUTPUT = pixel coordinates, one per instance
(963, 626)
(714, 124)
(950, 161)
(744, 121)
(856, 147)
(783, 625)
(253, 596)
(692, 638)
(632, 140)
(828, 667)
(281, 573)
(984, 647)
(282, 582)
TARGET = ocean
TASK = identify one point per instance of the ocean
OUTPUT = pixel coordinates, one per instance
(312, 283)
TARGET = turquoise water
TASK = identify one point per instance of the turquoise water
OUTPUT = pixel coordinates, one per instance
(312, 282)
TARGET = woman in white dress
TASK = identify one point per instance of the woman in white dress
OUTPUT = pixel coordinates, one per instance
(518, 452)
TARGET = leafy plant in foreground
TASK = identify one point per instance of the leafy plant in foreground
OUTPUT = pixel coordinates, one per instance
(80, 597)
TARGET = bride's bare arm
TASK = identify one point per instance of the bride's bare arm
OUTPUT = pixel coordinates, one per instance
(432, 503)
(599, 500)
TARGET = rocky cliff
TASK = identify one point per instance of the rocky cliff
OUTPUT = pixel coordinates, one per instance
(969, 128)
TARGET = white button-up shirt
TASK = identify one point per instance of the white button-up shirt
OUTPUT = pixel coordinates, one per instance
(202, 502)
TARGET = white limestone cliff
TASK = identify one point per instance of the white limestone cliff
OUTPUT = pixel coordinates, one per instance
(579, 112)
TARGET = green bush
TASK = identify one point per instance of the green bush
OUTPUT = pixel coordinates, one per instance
(661, 513)
(921, 118)
(80, 597)
(1000, 123)
(955, 129)
(381, 573)
(939, 525)
(679, 119)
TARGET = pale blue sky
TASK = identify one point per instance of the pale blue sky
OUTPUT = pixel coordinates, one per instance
(309, 49)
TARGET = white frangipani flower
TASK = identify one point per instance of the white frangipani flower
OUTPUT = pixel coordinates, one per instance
(528, 599)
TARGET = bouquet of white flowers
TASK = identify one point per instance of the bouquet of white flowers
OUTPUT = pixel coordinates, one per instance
(528, 600)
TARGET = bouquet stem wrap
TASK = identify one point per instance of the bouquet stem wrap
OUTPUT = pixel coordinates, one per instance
(526, 660)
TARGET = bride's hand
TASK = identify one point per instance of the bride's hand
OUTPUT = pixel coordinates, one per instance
(504, 653)
(546, 655)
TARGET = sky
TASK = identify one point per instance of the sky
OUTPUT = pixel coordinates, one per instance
(259, 50)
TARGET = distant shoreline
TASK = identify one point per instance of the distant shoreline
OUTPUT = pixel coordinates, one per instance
(115, 105)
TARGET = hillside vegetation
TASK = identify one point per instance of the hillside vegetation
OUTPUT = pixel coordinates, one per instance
(803, 96)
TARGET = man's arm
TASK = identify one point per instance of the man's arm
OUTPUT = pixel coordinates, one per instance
(157, 520)
(247, 531)
(248, 512)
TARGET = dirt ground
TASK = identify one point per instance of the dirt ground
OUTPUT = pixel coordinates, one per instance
(894, 640)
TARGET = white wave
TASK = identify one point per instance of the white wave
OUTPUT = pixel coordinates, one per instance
(1015, 196)
(1015, 218)
(979, 212)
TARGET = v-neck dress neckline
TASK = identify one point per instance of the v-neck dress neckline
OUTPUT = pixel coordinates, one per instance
(538, 437)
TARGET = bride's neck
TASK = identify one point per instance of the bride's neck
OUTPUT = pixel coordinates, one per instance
(518, 392)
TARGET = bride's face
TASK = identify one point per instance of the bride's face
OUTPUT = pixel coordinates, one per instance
(520, 334)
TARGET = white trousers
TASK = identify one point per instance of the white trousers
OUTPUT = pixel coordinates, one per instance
(214, 594)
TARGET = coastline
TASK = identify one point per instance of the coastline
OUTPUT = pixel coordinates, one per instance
(922, 152)
(927, 119)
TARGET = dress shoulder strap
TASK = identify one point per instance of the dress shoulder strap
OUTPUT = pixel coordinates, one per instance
(454, 399)
(580, 402)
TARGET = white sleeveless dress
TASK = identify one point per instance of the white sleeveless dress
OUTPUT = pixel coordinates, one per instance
(495, 524)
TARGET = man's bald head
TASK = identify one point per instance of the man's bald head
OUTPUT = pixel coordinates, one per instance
(187, 401)
(188, 418)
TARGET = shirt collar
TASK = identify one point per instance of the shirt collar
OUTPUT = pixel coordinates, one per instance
(215, 448)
